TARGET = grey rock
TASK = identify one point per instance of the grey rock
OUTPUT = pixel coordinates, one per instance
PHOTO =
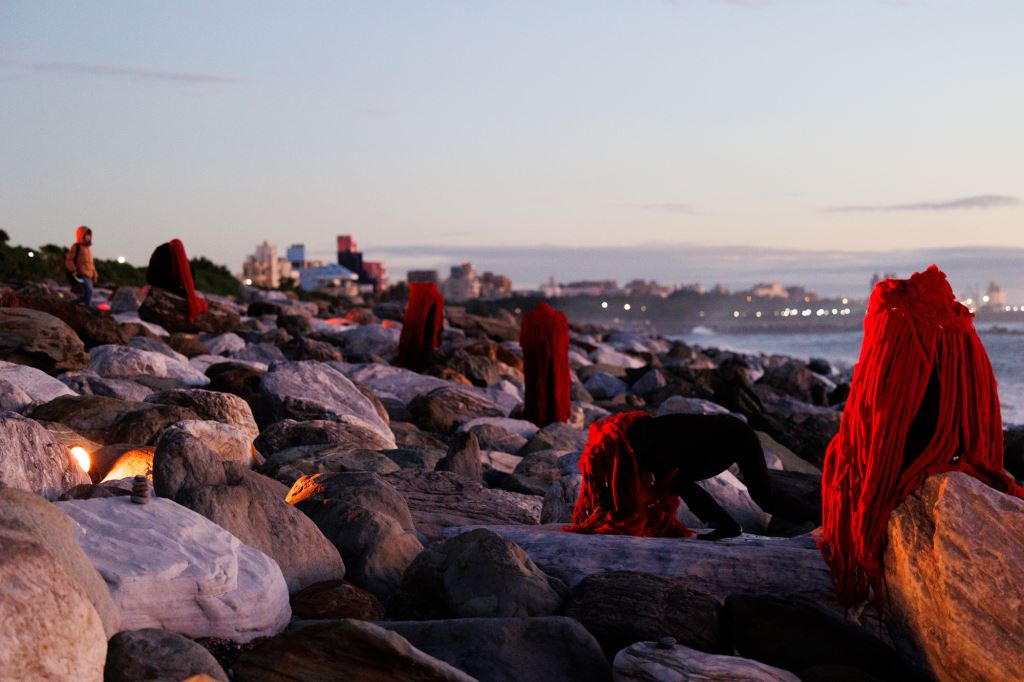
(555, 436)
(213, 406)
(463, 456)
(21, 385)
(157, 655)
(90, 383)
(444, 409)
(646, 661)
(125, 362)
(32, 460)
(40, 340)
(349, 434)
(604, 386)
(263, 353)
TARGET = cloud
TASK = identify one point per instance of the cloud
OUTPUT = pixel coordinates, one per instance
(979, 201)
(130, 73)
(668, 207)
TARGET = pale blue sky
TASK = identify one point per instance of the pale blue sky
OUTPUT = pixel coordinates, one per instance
(803, 124)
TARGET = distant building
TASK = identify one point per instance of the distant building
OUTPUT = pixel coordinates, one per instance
(639, 287)
(430, 276)
(264, 269)
(773, 290)
(372, 275)
(994, 297)
(297, 256)
(378, 272)
(604, 287)
(462, 284)
(333, 279)
(494, 286)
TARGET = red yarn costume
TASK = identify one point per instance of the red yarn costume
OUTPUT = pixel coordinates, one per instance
(196, 304)
(614, 499)
(544, 336)
(418, 341)
(912, 327)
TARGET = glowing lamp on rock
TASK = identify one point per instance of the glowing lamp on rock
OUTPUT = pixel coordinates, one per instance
(81, 457)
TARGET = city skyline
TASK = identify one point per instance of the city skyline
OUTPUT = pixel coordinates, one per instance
(569, 128)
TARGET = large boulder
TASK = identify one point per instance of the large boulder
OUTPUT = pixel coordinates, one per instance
(369, 341)
(49, 630)
(313, 390)
(463, 456)
(555, 436)
(476, 575)
(367, 490)
(92, 326)
(510, 649)
(345, 434)
(21, 385)
(126, 362)
(291, 464)
(29, 517)
(441, 499)
(444, 409)
(250, 506)
(38, 339)
(385, 380)
(170, 311)
(158, 656)
(647, 661)
(342, 650)
(31, 459)
(169, 568)
(90, 383)
(622, 607)
(212, 405)
(334, 599)
(954, 552)
(109, 420)
(224, 344)
(229, 442)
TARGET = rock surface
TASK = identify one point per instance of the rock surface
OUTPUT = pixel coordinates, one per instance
(40, 340)
(648, 662)
(31, 459)
(951, 570)
(510, 649)
(342, 650)
(476, 575)
(213, 406)
(90, 383)
(334, 599)
(158, 655)
(445, 409)
(21, 385)
(171, 312)
(126, 362)
(109, 420)
(178, 571)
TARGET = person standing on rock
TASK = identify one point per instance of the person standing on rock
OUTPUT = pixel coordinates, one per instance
(169, 269)
(544, 337)
(923, 400)
(421, 328)
(79, 267)
(636, 468)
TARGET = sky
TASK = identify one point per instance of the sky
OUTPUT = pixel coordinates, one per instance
(786, 133)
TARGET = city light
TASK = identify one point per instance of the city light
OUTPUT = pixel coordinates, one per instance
(625, 306)
(643, 309)
(984, 299)
(757, 314)
(122, 260)
(735, 313)
(248, 282)
(31, 254)
(806, 312)
(845, 300)
(604, 304)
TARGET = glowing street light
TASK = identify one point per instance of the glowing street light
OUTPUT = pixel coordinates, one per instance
(31, 254)
(122, 260)
(625, 306)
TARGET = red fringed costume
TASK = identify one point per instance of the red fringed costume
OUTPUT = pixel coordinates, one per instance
(169, 269)
(914, 333)
(544, 336)
(421, 329)
(613, 497)
(196, 305)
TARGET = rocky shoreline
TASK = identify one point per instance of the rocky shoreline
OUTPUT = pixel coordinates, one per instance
(314, 512)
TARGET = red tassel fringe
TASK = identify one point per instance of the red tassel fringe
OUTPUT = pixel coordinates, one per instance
(196, 305)
(417, 343)
(544, 336)
(912, 327)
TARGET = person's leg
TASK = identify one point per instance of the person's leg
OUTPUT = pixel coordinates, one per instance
(705, 508)
(86, 297)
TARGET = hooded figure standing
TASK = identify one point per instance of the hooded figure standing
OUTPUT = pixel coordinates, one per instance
(544, 336)
(78, 265)
(421, 329)
(923, 401)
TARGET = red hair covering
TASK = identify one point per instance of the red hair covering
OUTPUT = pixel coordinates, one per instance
(80, 232)
(913, 329)
(544, 336)
(196, 305)
(421, 329)
(613, 498)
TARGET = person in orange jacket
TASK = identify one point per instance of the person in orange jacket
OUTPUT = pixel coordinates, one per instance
(79, 267)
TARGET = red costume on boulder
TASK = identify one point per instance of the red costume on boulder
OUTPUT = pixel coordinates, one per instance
(544, 336)
(169, 269)
(923, 401)
(421, 329)
(614, 499)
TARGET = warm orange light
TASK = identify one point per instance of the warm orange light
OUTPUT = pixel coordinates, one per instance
(81, 456)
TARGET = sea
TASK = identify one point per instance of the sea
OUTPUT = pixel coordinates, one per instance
(1004, 343)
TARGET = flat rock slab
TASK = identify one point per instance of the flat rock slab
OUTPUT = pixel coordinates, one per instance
(170, 568)
(647, 661)
(745, 565)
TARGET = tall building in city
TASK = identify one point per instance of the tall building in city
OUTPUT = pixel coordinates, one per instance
(430, 276)
(462, 284)
(373, 275)
(994, 297)
(264, 269)
(297, 256)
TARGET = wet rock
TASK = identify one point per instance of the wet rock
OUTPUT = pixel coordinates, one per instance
(510, 649)
(125, 362)
(312, 390)
(171, 312)
(150, 654)
(622, 607)
(334, 599)
(444, 409)
(21, 385)
(40, 340)
(645, 661)
(213, 406)
(32, 460)
(441, 499)
(177, 571)
(951, 564)
(342, 650)
(473, 575)
(29, 517)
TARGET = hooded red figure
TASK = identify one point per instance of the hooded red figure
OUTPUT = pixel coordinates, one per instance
(544, 336)
(614, 499)
(923, 401)
(421, 329)
(169, 269)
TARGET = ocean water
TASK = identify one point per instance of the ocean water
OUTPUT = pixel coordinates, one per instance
(1005, 351)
